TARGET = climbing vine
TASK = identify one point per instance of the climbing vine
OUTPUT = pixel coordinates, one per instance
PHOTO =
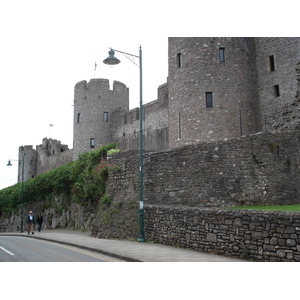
(82, 181)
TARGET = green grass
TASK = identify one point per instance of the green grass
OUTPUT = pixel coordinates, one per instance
(294, 207)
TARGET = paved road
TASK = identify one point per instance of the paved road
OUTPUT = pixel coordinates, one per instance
(21, 249)
(123, 249)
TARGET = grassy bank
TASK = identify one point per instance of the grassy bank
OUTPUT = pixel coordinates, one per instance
(294, 207)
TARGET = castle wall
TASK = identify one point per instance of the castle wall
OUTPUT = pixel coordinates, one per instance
(47, 156)
(52, 154)
(254, 235)
(260, 169)
(196, 69)
(94, 103)
(126, 125)
(286, 56)
(286, 116)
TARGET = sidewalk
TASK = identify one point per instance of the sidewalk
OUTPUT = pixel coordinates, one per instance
(125, 250)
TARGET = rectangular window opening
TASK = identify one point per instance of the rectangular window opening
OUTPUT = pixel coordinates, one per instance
(271, 63)
(208, 98)
(179, 60)
(78, 118)
(276, 90)
(105, 117)
(92, 143)
(222, 54)
(179, 126)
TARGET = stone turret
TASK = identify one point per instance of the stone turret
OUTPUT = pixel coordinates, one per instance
(94, 103)
(212, 89)
(30, 162)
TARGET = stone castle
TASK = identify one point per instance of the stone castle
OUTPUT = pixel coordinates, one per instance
(217, 89)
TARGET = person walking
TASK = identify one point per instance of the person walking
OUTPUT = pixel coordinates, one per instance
(30, 222)
(39, 221)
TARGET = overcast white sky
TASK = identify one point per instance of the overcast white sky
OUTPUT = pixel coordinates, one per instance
(49, 46)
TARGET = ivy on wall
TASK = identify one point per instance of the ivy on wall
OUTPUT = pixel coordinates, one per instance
(82, 181)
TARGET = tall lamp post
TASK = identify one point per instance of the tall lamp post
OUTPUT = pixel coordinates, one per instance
(22, 193)
(112, 60)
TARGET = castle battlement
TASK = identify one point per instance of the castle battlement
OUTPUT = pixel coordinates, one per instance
(99, 84)
(51, 147)
(26, 148)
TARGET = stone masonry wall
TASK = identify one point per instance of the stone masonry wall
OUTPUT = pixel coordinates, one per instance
(94, 103)
(286, 56)
(195, 69)
(47, 156)
(286, 117)
(246, 234)
(261, 169)
(126, 125)
(52, 154)
(249, 234)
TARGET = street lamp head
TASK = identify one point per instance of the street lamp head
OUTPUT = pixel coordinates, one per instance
(9, 164)
(111, 60)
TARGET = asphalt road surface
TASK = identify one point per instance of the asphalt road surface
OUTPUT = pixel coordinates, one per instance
(22, 249)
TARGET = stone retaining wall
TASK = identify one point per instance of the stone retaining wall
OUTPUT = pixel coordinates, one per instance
(261, 169)
(248, 234)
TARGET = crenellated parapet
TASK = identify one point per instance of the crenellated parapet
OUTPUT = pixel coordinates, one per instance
(99, 90)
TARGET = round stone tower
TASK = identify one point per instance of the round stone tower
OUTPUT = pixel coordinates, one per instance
(94, 103)
(212, 89)
(30, 163)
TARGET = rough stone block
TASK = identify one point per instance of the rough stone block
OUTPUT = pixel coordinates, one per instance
(281, 253)
(211, 237)
(290, 229)
(291, 242)
(269, 248)
(256, 235)
(273, 241)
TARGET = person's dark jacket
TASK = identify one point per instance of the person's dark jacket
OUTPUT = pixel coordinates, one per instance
(29, 221)
(39, 220)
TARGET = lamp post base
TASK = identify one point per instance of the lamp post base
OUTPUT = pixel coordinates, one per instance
(141, 238)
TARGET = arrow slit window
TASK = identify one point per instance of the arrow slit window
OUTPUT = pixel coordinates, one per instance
(222, 54)
(208, 98)
(92, 143)
(105, 117)
(179, 60)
